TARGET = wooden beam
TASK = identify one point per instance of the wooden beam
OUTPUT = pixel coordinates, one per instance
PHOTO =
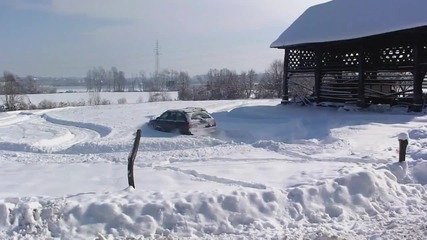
(418, 78)
(362, 68)
(318, 74)
(285, 85)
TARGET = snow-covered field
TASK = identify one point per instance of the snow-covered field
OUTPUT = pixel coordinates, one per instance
(113, 97)
(268, 172)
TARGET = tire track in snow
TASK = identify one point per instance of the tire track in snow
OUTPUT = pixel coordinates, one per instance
(103, 131)
(10, 119)
(277, 147)
(294, 160)
(65, 134)
(216, 179)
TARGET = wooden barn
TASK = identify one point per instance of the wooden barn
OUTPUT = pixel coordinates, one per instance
(357, 51)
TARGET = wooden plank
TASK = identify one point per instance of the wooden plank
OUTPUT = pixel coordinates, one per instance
(325, 97)
(285, 83)
(334, 91)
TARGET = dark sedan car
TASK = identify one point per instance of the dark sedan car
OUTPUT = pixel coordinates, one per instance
(185, 121)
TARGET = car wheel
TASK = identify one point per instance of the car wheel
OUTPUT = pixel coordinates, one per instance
(184, 132)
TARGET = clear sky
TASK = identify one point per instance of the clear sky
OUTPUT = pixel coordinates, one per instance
(68, 37)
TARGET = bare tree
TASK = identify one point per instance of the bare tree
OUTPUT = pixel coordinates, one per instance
(109, 80)
(28, 85)
(89, 80)
(115, 78)
(141, 79)
(247, 81)
(100, 78)
(223, 84)
(11, 91)
(121, 81)
(132, 83)
(271, 82)
(200, 91)
(184, 88)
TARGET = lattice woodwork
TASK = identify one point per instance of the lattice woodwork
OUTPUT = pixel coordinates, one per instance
(331, 59)
(301, 59)
(403, 55)
(351, 58)
(339, 58)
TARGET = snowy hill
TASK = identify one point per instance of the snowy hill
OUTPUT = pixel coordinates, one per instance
(268, 172)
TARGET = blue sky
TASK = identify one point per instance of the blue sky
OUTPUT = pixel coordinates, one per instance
(68, 37)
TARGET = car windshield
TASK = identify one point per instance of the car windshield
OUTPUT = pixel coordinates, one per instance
(200, 115)
(165, 115)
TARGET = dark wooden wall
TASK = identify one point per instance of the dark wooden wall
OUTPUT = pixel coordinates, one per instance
(383, 69)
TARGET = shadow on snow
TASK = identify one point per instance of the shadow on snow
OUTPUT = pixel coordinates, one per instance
(285, 123)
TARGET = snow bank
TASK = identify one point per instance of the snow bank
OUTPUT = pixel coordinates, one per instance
(353, 198)
(359, 195)
(125, 214)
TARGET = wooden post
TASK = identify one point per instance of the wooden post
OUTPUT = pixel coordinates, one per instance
(285, 86)
(418, 79)
(403, 144)
(131, 158)
(361, 87)
(318, 74)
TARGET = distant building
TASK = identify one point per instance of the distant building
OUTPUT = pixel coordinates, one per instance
(358, 51)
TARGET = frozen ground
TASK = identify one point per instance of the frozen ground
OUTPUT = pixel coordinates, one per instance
(268, 172)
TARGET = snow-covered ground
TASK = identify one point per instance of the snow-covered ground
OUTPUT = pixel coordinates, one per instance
(268, 172)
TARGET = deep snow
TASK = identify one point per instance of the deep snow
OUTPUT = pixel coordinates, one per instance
(268, 172)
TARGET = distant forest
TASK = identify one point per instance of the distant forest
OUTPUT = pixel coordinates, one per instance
(216, 84)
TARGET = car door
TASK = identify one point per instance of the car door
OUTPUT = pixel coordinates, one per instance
(169, 124)
(181, 121)
(162, 121)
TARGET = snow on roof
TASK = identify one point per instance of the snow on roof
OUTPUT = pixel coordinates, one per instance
(350, 19)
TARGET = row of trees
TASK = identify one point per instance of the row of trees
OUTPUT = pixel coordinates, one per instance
(98, 79)
(14, 89)
(227, 84)
(215, 84)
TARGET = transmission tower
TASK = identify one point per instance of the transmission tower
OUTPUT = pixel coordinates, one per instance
(157, 51)
(158, 83)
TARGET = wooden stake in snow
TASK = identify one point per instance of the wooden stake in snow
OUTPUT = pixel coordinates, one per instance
(403, 143)
(131, 158)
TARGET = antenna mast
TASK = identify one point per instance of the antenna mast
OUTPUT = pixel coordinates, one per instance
(157, 51)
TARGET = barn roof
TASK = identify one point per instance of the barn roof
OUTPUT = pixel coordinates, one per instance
(350, 19)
